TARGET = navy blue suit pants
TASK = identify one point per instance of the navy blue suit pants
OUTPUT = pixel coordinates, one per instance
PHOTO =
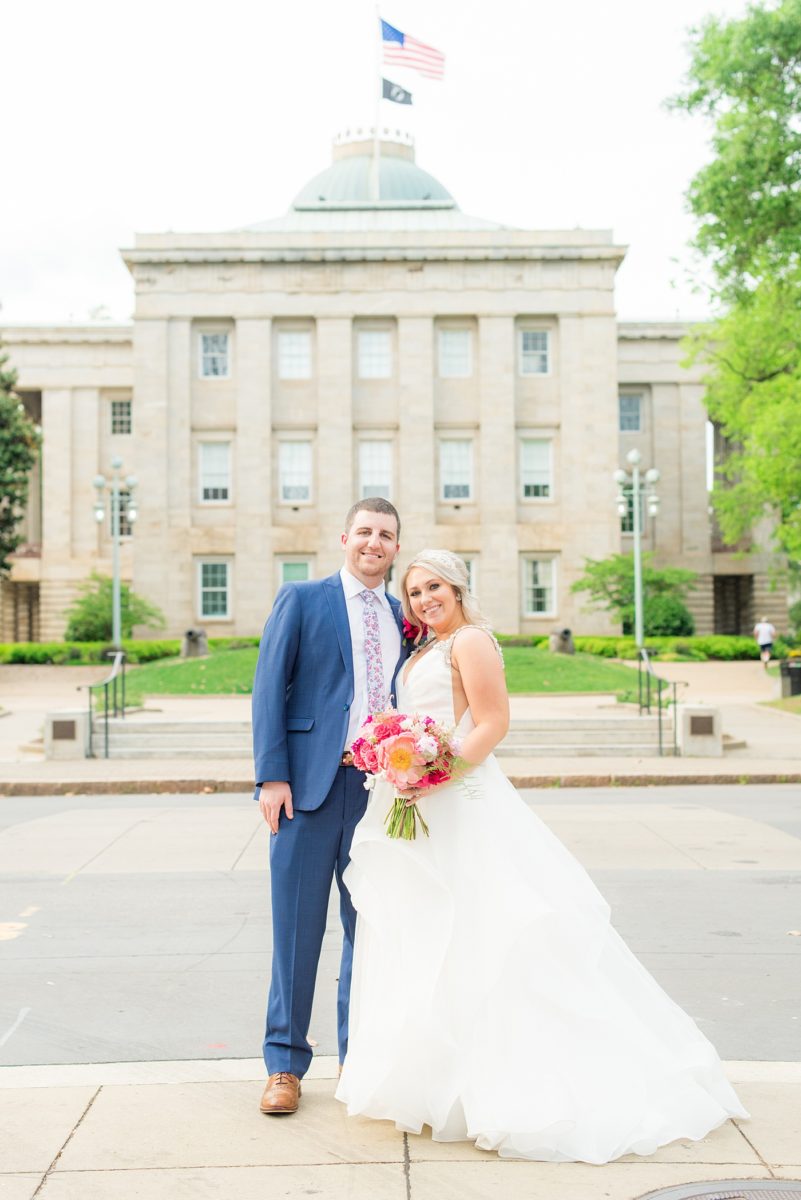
(305, 855)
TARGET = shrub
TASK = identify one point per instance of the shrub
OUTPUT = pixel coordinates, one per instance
(666, 616)
(89, 616)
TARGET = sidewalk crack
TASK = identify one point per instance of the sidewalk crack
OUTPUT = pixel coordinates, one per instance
(744, 1135)
(70, 1136)
(407, 1165)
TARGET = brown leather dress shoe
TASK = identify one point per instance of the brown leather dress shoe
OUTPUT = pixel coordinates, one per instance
(281, 1094)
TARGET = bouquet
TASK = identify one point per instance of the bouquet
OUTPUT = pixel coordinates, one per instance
(408, 752)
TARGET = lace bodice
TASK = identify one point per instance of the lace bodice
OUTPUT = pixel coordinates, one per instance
(428, 686)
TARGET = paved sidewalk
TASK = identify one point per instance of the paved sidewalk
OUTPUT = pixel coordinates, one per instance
(772, 751)
(164, 1131)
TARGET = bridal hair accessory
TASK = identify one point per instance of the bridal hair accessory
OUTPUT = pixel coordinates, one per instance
(407, 752)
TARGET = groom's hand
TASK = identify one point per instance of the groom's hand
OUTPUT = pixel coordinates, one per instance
(272, 798)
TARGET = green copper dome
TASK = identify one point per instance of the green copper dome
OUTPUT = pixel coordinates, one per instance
(348, 182)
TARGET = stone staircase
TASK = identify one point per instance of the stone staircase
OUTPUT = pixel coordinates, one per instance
(587, 736)
(148, 737)
(138, 736)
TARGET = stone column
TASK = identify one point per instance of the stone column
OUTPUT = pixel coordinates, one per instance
(179, 473)
(496, 474)
(333, 486)
(152, 565)
(85, 463)
(254, 575)
(55, 589)
(416, 448)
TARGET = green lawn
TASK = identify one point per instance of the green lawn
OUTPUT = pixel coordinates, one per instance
(790, 704)
(530, 670)
(226, 673)
(230, 672)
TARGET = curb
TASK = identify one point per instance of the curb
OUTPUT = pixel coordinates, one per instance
(114, 787)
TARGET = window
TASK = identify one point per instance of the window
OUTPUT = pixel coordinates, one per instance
(121, 416)
(455, 353)
(534, 352)
(295, 472)
(215, 471)
(627, 520)
(214, 589)
(294, 354)
(214, 355)
(471, 563)
(126, 526)
(294, 570)
(538, 587)
(630, 409)
(375, 469)
(535, 468)
(456, 468)
(375, 354)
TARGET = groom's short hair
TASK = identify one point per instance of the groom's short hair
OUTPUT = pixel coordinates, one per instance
(376, 504)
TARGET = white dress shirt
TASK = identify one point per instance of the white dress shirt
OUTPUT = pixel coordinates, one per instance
(390, 646)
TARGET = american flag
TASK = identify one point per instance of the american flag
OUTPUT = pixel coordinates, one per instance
(408, 52)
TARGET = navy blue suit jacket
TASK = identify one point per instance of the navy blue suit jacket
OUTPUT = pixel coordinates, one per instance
(303, 689)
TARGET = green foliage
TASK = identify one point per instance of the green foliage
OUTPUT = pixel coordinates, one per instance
(89, 617)
(610, 583)
(665, 616)
(745, 77)
(795, 618)
(20, 440)
(87, 653)
(754, 395)
(718, 647)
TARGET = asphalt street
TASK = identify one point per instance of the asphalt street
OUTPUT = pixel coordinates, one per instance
(138, 927)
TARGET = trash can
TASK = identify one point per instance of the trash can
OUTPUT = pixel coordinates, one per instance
(561, 642)
(790, 671)
(196, 644)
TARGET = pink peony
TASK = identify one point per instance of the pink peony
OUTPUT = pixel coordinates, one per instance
(400, 761)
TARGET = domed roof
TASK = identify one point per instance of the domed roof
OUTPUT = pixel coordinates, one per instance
(348, 182)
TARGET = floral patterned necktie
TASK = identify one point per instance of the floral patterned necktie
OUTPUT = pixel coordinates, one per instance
(376, 687)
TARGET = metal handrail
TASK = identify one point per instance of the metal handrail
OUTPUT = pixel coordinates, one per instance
(644, 696)
(117, 700)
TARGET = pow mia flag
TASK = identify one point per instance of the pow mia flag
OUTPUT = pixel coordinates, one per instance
(394, 92)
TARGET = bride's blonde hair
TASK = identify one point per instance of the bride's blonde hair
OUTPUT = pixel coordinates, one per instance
(452, 569)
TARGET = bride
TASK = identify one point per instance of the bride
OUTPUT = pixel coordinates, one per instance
(491, 997)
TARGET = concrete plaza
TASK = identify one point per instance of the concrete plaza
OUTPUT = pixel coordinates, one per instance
(136, 955)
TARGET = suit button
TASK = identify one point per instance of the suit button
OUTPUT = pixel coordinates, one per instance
(346, 707)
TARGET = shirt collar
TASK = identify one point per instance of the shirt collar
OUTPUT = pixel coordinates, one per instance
(353, 587)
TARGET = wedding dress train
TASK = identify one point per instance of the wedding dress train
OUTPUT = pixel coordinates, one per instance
(491, 997)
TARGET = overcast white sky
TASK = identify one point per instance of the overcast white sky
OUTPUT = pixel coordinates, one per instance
(122, 117)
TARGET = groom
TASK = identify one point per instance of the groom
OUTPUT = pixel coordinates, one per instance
(329, 655)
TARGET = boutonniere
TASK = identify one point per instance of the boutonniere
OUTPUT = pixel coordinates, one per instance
(413, 634)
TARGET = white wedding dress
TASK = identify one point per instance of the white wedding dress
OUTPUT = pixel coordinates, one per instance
(491, 997)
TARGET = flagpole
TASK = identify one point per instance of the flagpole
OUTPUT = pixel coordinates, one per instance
(375, 165)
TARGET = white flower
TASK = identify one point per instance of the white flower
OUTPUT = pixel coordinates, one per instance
(455, 744)
(407, 723)
(427, 745)
(369, 783)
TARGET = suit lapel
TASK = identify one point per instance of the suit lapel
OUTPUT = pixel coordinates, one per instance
(335, 596)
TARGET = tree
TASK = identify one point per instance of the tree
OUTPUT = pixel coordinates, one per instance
(753, 393)
(745, 76)
(610, 583)
(19, 447)
(89, 617)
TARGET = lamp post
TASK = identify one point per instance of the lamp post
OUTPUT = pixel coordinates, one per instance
(640, 485)
(112, 486)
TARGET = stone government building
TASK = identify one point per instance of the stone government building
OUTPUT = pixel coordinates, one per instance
(473, 372)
